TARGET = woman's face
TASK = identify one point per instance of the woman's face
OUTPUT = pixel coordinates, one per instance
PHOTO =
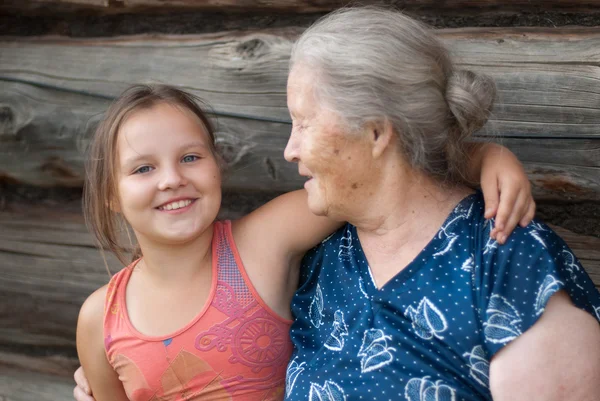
(336, 162)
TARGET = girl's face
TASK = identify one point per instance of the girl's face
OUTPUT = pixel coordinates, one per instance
(169, 181)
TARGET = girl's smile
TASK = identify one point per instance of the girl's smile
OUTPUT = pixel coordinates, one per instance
(169, 182)
(177, 205)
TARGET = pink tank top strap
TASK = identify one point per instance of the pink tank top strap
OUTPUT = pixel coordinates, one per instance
(233, 273)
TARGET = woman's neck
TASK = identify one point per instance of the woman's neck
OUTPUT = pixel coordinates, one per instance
(409, 207)
(401, 220)
(175, 263)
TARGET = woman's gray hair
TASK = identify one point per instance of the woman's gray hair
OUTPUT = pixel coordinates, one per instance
(375, 64)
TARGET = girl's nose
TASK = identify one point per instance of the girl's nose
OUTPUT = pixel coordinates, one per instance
(171, 178)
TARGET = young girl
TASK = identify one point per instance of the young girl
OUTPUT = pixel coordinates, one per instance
(203, 313)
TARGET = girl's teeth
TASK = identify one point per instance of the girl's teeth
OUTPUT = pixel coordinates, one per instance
(176, 205)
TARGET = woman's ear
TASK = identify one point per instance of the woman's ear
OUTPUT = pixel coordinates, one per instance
(382, 136)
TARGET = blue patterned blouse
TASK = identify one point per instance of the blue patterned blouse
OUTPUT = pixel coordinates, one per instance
(430, 332)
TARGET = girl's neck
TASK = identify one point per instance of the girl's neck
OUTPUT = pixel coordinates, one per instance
(176, 263)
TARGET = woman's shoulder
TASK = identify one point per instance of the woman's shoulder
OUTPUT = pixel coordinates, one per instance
(468, 217)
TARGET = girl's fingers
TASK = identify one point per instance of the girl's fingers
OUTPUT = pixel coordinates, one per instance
(529, 215)
(506, 208)
(491, 197)
(517, 213)
(80, 395)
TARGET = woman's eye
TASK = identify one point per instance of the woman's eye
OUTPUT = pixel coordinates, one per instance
(190, 158)
(299, 127)
(143, 170)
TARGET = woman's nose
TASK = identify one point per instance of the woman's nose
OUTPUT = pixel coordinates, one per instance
(291, 152)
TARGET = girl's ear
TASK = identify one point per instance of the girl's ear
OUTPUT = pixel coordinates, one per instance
(382, 136)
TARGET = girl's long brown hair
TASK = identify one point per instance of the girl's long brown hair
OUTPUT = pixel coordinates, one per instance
(100, 190)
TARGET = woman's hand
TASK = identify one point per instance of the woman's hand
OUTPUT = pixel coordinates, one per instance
(506, 190)
(82, 391)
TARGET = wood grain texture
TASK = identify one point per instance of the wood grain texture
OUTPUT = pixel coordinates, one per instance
(46, 132)
(20, 385)
(306, 5)
(55, 89)
(54, 365)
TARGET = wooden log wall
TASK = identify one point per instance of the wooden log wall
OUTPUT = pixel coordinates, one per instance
(302, 6)
(54, 89)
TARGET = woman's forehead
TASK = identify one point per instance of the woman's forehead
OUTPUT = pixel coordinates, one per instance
(300, 91)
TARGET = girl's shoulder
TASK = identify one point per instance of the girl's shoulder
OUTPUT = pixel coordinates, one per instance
(91, 314)
(92, 310)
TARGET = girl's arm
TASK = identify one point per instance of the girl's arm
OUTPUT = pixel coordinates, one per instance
(103, 380)
(506, 188)
(288, 223)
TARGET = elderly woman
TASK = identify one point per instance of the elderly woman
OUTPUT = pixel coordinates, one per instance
(412, 299)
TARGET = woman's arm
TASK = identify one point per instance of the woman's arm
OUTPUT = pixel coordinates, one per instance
(103, 380)
(557, 359)
(506, 188)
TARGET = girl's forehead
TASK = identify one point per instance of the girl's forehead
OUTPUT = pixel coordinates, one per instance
(162, 118)
(160, 127)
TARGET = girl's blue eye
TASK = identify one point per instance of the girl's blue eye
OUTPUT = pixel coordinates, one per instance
(143, 170)
(190, 158)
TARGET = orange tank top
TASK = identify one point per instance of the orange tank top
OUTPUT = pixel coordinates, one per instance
(236, 348)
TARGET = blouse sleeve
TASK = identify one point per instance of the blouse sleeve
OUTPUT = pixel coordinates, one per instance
(516, 281)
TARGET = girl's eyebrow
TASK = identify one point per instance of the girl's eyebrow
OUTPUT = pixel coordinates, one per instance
(194, 144)
(140, 156)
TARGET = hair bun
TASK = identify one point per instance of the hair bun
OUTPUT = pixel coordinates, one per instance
(470, 97)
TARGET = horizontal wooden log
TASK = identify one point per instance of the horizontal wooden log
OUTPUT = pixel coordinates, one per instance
(23, 385)
(54, 90)
(49, 266)
(540, 73)
(46, 131)
(303, 5)
(51, 365)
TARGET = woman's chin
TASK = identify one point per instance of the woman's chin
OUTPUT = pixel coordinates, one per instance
(317, 206)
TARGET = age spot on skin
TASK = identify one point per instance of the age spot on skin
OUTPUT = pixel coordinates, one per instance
(354, 186)
(336, 152)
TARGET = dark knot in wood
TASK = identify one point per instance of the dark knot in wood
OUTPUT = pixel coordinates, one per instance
(251, 49)
(7, 122)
